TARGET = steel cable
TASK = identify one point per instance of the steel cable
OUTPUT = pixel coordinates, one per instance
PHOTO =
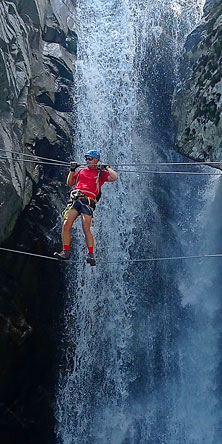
(150, 259)
(197, 173)
(62, 162)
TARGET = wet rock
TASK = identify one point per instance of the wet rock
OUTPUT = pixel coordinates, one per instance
(37, 58)
(197, 102)
(209, 5)
(30, 302)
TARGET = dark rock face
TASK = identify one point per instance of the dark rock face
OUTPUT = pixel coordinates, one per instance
(197, 104)
(30, 302)
(28, 334)
(36, 78)
(37, 57)
(210, 4)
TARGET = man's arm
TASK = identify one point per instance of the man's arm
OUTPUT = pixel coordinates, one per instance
(71, 179)
(113, 176)
(72, 176)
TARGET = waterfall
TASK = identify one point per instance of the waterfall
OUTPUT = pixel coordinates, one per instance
(140, 362)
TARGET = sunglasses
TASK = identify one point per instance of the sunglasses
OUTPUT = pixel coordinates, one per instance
(89, 158)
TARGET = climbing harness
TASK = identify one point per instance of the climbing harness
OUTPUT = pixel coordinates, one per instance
(86, 201)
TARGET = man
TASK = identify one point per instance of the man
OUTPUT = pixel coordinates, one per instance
(86, 193)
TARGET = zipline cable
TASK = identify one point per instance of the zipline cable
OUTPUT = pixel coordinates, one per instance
(150, 259)
(209, 163)
(39, 162)
(168, 163)
(28, 254)
(196, 173)
(34, 156)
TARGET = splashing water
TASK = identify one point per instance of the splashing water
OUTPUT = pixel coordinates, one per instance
(128, 327)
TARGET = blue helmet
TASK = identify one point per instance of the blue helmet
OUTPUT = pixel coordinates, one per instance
(93, 153)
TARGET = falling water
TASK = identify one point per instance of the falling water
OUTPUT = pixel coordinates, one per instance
(140, 361)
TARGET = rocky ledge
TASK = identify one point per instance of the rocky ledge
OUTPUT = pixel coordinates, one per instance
(197, 102)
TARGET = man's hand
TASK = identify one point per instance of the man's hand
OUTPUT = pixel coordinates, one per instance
(73, 166)
(104, 166)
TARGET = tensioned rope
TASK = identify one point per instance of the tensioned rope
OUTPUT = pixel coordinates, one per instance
(39, 162)
(195, 173)
(169, 163)
(150, 259)
(192, 173)
(34, 156)
(28, 253)
(64, 163)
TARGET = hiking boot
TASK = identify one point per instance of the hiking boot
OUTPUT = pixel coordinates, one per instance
(64, 255)
(91, 259)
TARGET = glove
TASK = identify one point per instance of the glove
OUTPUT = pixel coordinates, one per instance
(104, 166)
(73, 166)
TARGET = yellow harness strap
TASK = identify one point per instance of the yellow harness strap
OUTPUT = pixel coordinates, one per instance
(97, 181)
(89, 199)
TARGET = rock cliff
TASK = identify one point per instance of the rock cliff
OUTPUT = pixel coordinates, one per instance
(197, 102)
(37, 59)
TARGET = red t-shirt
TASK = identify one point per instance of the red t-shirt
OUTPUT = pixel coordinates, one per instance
(87, 181)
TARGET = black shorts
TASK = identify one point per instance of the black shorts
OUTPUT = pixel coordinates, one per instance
(83, 206)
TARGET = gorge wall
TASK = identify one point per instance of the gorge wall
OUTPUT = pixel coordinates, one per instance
(36, 73)
(197, 103)
(37, 58)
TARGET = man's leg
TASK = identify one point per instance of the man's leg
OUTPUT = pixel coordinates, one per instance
(66, 234)
(86, 226)
(67, 226)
